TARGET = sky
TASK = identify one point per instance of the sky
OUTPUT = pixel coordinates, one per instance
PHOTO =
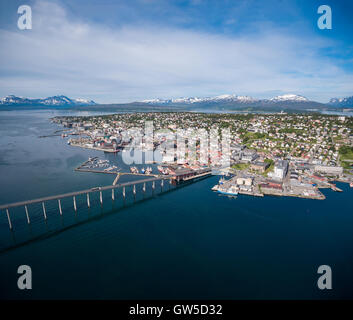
(115, 51)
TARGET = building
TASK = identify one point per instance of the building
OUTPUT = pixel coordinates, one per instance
(249, 155)
(260, 166)
(336, 171)
(280, 170)
(245, 181)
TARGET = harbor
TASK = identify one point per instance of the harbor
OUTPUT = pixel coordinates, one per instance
(251, 184)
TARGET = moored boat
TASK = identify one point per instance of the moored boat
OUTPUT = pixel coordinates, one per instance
(231, 191)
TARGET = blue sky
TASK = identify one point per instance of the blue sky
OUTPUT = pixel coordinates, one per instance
(121, 51)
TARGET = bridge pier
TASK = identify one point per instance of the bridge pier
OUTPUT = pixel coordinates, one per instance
(100, 197)
(88, 204)
(124, 192)
(153, 185)
(162, 183)
(144, 187)
(113, 194)
(60, 210)
(75, 208)
(45, 214)
(134, 189)
(8, 218)
(27, 215)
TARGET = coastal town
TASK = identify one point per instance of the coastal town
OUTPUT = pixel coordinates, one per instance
(268, 154)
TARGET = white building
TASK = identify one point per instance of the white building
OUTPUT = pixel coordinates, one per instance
(329, 170)
(280, 170)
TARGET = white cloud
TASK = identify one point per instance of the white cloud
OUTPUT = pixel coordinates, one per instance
(61, 56)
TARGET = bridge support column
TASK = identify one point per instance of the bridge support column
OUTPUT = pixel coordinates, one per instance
(144, 187)
(44, 212)
(153, 185)
(8, 218)
(88, 204)
(27, 215)
(101, 197)
(124, 192)
(162, 183)
(113, 194)
(75, 204)
(60, 210)
(134, 189)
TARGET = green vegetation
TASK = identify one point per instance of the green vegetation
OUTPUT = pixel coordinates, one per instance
(240, 166)
(270, 168)
(346, 152)
(346, 156)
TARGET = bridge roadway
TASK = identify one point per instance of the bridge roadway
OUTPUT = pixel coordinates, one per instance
(76, 193)
(184, 177)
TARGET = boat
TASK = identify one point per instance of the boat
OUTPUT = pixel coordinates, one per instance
(163, 170)
(231, 191)
(133, 170)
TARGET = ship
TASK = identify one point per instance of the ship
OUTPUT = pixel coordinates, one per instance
(231, 191)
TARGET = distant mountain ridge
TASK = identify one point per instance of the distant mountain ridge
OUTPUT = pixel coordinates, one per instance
(50, 101)
(281, 102)
(228, 98)
(290, 102)
(342, 102)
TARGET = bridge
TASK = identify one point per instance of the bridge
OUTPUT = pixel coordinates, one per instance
(177, 178)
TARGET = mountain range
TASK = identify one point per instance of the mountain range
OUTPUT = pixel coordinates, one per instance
(222, 102)
(50, 101)
(342, 102)
(281, 102)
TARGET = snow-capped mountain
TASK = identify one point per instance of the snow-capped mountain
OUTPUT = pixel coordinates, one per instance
(232, 101)
(289, 97)
(50, 101)
(227, 98)
(192, 100)
(342, 102)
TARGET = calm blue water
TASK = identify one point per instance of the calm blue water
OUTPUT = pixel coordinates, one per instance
(186, 243)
